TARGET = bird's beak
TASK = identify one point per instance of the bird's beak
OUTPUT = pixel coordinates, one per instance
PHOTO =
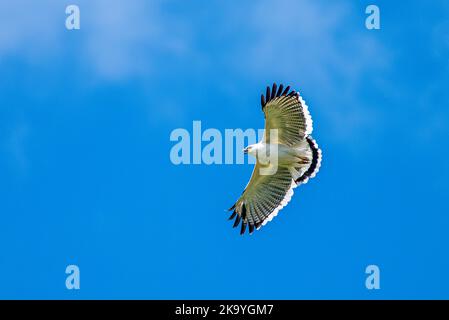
(245, 151)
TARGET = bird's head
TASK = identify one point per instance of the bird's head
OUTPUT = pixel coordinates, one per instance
(251, 149)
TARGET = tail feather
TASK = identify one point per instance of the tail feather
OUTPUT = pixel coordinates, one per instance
(314, 165)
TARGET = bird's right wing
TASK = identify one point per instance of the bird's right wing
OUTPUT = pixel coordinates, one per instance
(286, 112)
(262, 198)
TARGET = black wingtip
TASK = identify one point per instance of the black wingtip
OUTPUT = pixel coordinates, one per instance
(278, 94)
(243, 211)
(274, 91)
(232, 208)
(236, 222)
(243, 228)
(251, 228)
(233, 215)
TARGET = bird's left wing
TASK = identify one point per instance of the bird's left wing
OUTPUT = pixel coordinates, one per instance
(262, 198)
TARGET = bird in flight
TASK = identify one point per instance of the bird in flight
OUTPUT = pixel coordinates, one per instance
(287, 156)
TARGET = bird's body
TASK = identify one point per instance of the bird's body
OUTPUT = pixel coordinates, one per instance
(286, 157)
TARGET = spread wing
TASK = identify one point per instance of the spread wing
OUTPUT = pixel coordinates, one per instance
(265, 195)
(262, 198)
(287, 112)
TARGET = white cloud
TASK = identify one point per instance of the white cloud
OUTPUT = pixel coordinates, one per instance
(28, 28)
(124, 38)
(306, 43)
(117, 38)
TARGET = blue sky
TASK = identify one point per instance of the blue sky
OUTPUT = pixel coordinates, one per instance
(86, 177)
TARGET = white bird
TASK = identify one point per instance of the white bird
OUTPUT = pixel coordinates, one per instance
(287, 156)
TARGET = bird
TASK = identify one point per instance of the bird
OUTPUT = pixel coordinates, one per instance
(288, 154)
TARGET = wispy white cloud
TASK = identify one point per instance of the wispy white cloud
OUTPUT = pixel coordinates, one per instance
(117, 39)
(125, 38)
(28, 28)
(306, 43)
